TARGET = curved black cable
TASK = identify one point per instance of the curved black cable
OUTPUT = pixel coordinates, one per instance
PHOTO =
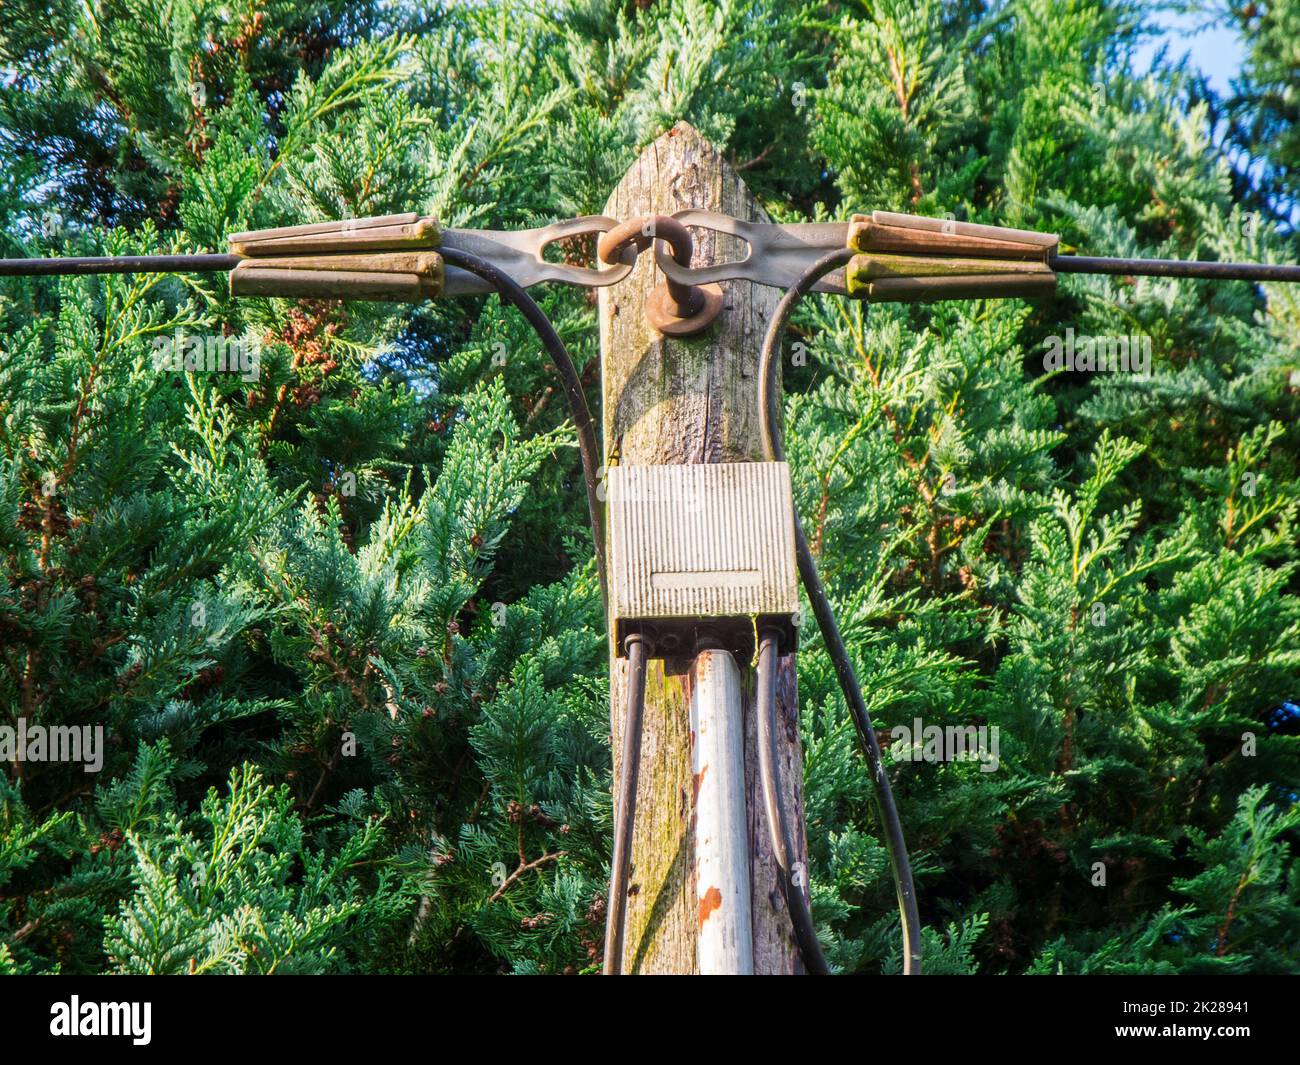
(625, 806)
(770, 420)
(620, 869)
(511, 291)
(778, 824)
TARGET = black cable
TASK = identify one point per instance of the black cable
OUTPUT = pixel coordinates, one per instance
(620, 869)
(1088, 264)
(886, 810)
(1065, 264)
(119, 264)
(625, 808)
(511, 291)
(778, 824)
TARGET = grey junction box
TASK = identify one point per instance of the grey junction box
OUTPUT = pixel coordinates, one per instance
(702, 555)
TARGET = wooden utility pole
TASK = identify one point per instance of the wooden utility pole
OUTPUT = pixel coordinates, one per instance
(690, 401)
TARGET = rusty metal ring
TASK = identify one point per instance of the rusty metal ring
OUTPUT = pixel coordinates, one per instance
(674, 309)
(641, 233)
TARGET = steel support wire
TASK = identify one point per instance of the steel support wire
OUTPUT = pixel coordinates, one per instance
(1214, 271)
(769, 405)
(514, 293)
(778, 823)
(625, 806)
(119, 264)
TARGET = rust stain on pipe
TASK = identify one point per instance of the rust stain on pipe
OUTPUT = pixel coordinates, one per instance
(711, 900)
(699, 782)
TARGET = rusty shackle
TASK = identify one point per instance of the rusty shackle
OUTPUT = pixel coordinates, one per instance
(673, 308)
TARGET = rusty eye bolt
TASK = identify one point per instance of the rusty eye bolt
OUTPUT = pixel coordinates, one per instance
(674, 309)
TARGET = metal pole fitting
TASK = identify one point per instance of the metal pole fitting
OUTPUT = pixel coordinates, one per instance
(673, 308)
(725, 944)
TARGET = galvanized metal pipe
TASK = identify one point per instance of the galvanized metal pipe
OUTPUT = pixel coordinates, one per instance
(726, 933)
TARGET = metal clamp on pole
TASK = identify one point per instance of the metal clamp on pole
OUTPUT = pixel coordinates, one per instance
(389, 257)
(674, 308)
(401, 257)
(908, 259)
(901, 258)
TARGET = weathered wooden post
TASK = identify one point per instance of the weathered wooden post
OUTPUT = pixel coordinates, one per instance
(669, 401)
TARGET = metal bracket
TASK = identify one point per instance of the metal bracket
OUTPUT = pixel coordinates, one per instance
(519, 252)
(903, 258)
(778, 254)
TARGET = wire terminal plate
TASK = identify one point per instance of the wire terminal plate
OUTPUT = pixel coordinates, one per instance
(702, 555)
